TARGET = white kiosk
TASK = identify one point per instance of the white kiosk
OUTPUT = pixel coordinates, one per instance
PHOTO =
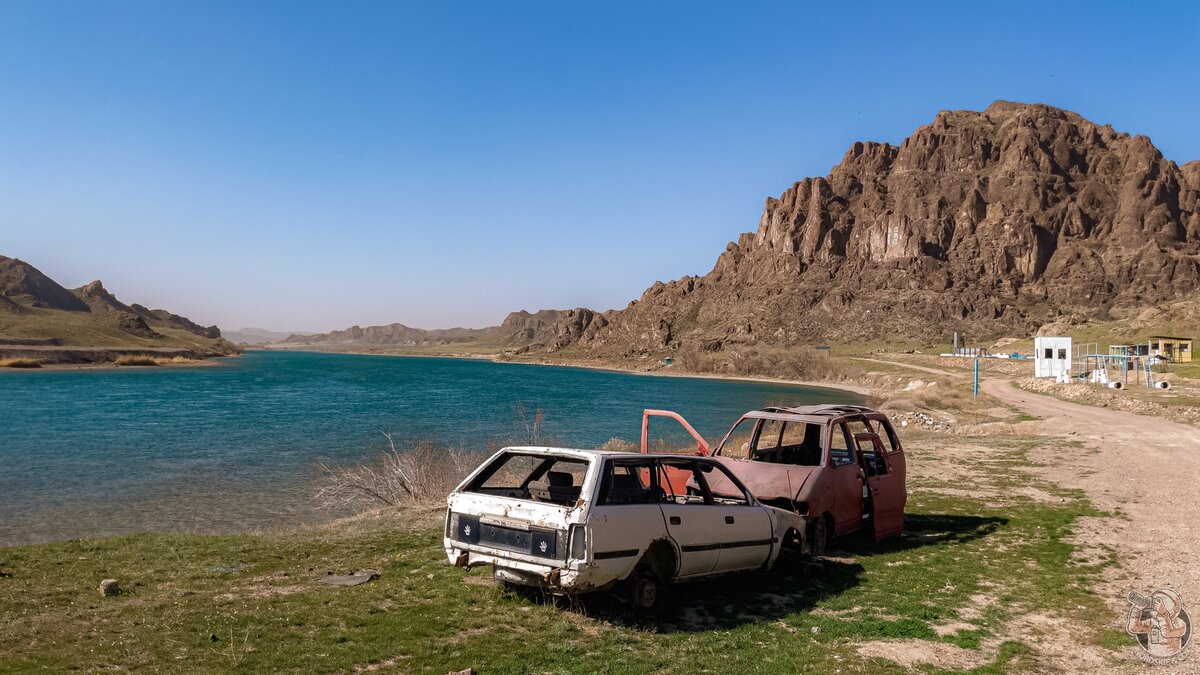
(1052, 357)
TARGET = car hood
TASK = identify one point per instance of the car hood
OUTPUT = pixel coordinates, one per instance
(765, 480)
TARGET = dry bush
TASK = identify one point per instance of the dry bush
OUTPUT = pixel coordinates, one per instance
(174, 360)
(136, 360)
(20, 363)
(529, 429)
(417, 474)
(619, 445)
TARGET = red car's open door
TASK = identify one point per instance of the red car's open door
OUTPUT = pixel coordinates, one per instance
(676, 478)
(885, 481)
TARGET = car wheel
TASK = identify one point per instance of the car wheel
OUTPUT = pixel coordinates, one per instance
(644, 592)
(818, 537)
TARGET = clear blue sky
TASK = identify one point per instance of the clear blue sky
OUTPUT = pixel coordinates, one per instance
(301, 165)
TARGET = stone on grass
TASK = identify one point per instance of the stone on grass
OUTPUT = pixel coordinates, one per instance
(357, 579)
(110, 587)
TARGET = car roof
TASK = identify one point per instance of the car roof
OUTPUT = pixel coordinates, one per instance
(818, 413)
(583, 453)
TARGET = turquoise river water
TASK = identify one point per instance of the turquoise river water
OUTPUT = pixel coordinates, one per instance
(236, 446)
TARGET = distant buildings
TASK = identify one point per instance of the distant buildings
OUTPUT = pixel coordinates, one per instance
(1171, 349)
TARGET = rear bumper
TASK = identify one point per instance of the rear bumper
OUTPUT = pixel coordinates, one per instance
(570, 576)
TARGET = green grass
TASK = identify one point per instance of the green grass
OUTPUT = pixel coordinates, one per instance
(258, 597)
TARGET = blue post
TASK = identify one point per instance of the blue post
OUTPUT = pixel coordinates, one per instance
(976, 391)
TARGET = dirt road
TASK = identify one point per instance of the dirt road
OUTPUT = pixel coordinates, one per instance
(1147, 470)
(910, 366)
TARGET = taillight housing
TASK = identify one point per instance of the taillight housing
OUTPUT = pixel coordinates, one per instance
(578, 545)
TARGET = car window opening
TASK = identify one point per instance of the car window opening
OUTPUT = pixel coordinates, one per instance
(840, 453)
(556, 480)
(627, 482)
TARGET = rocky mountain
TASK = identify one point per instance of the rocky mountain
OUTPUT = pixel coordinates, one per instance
(36, 310)
(989, 223)
(23, 284)
(992, 222)
(545, 330)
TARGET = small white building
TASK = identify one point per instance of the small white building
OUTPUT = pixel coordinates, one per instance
(1052, 357)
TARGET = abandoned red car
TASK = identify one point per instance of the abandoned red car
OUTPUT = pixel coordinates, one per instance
(840, 466)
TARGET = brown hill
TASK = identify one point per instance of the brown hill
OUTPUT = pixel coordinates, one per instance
(22, 283)
(35, 310)
(986, 222)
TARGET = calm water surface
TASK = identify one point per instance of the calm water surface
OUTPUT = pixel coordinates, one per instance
(236, 446)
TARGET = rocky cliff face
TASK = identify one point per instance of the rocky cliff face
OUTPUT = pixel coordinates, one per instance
(987, 222)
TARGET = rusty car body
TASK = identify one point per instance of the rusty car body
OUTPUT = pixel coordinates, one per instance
(841, 467)
(575, 521)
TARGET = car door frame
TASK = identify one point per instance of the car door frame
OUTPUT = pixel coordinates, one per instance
(695, 528)
(619, 534)
(887, 497)
(747, 539)
(843, 482)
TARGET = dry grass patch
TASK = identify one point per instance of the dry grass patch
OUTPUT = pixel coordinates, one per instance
(783, 364)
(136, 360)
(175, 361)
(20, 363)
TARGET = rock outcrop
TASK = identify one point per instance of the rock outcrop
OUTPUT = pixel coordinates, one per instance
(985, 222)
(21, 282)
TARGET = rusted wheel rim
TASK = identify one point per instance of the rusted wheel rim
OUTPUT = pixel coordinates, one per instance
(645, 593)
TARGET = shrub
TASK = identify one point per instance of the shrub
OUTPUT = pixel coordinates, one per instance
(20, 363)
(417, 474)
(136, 360)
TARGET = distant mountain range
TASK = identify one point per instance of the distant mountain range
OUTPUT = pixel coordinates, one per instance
(257, 336)
(37, 312)
(546, 330)
(991, 223)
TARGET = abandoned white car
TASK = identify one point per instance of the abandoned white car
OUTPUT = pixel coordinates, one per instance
(574, 521)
